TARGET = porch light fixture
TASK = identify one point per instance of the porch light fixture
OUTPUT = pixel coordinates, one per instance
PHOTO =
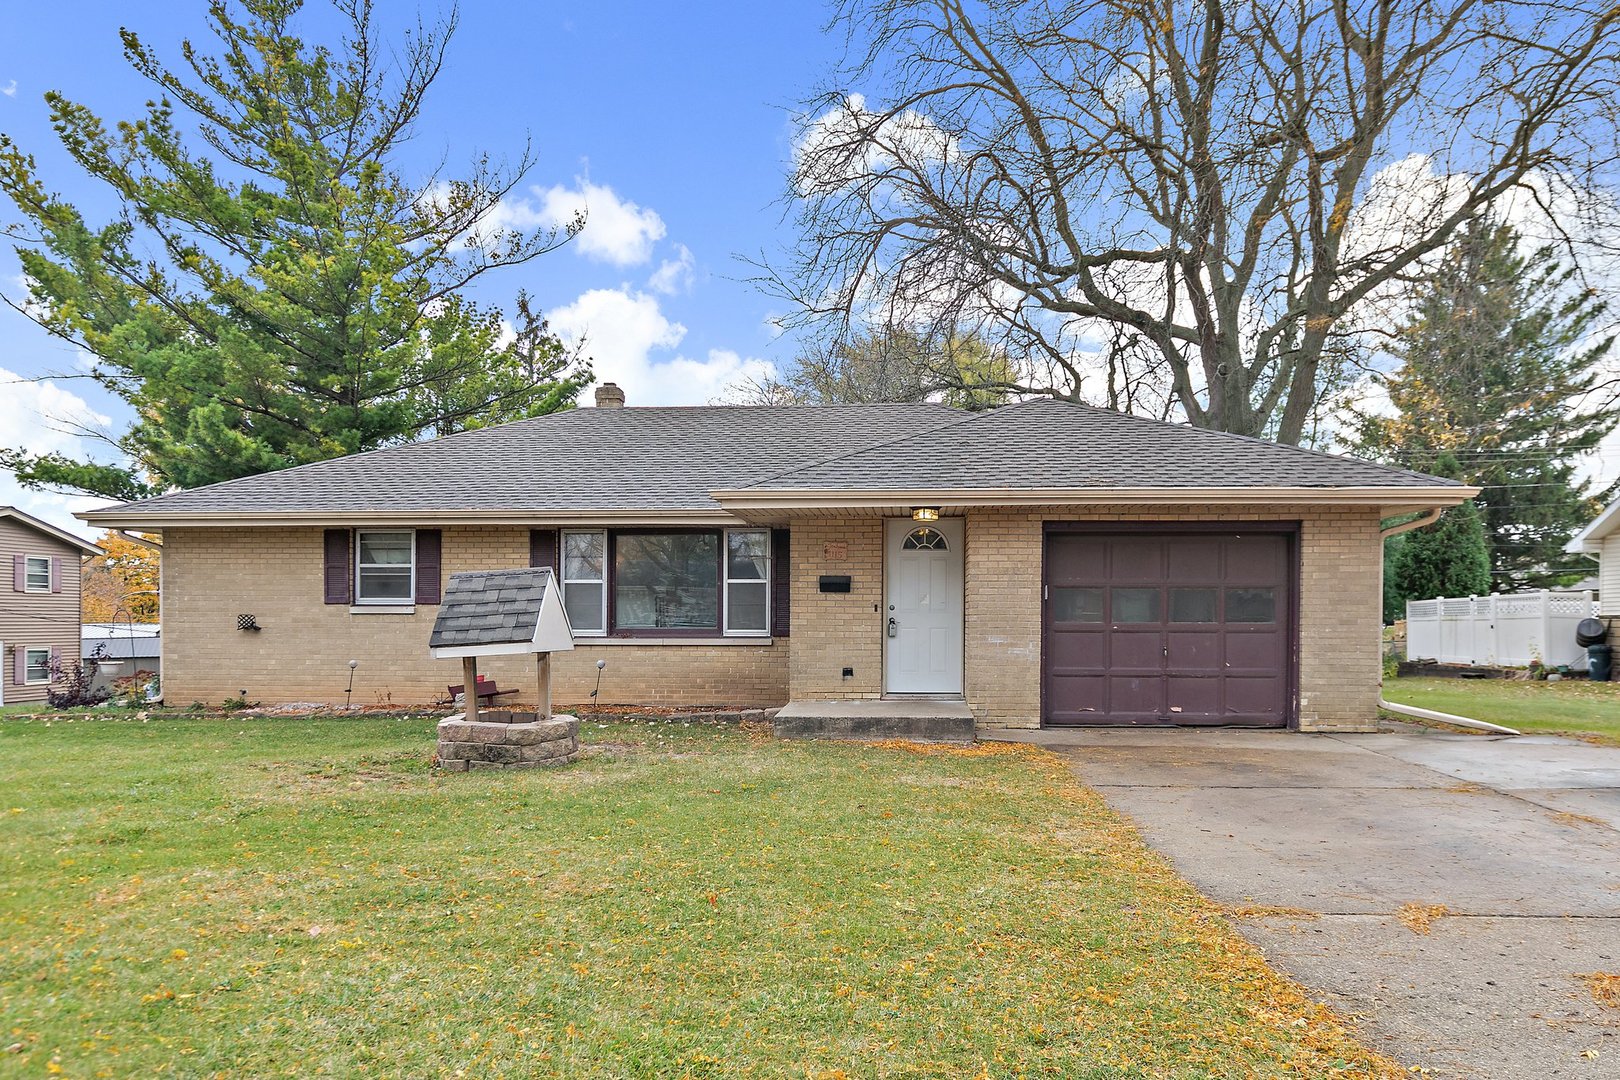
(925, 513)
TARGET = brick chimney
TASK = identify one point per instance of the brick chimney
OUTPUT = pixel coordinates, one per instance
(609, 396)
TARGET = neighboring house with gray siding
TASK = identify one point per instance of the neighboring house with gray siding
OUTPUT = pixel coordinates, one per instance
(1043, 563)
(39, 612)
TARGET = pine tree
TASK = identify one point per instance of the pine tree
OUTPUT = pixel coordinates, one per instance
(1449, 558)
(1499, 368)
(273, 291)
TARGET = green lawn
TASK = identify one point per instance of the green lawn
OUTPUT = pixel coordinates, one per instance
(261, 897)
(1572, 705)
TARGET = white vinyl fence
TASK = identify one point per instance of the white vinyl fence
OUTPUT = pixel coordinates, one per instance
(1510, 630)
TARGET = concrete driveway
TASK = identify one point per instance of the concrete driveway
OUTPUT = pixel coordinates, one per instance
(1364, 835)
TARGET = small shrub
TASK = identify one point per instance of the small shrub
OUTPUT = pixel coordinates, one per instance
(72, 686)
(136, 689)
(233, 704)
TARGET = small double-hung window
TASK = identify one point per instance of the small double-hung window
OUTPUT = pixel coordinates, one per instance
(584, 579)
(385, 566)
(37, 574)
(37, 666)
(748, 582)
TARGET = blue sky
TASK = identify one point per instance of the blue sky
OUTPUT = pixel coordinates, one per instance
(671, 122)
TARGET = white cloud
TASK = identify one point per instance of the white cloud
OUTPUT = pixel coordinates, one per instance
(617, 231)
(674, 275)
(32, 415)
(630, 342)
(10, 89)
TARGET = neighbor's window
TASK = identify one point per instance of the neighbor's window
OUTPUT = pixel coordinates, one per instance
(37, 667)
(584, 579)
(38, 574)
(385, 567)
(748, 581)
(666, 581)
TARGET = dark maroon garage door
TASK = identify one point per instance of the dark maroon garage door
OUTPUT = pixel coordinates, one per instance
(1168, 628)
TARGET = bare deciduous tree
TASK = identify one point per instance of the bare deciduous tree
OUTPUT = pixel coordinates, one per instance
(1173, 206)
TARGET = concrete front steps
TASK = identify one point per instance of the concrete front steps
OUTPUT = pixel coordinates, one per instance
(921, 719)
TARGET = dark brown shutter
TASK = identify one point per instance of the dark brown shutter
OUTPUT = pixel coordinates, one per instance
(781, 582)
(339, 569)
(429, 557)
(543, 547)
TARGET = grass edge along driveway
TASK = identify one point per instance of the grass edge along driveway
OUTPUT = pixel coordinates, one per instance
(1568, 707)
(261, 897)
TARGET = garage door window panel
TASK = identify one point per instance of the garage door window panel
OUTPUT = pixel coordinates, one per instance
(1136, 605)
(1193, 605)
(1251, 605)
(1076, 605)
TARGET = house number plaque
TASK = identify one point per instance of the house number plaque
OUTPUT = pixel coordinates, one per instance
(835, 551)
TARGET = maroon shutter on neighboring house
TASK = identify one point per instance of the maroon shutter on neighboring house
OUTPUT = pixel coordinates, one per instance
(56, 663)
(781, 582)
(543, 547)
(339, 573)
(56, 575)
(19, 670)
(429, 556)
(19, 573)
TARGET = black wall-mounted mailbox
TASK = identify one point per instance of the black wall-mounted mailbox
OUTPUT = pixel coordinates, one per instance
(834, 583)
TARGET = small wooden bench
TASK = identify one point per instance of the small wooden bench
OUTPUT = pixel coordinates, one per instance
(487, 691)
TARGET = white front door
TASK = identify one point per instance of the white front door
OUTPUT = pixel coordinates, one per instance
(923, 580)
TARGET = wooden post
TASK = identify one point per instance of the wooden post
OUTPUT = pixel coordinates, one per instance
(542, 671)
(469, 682)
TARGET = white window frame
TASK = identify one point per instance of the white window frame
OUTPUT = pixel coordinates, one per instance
(726, 583)
(28, 572)
(28, 655)
(565, 580)
(386, 601)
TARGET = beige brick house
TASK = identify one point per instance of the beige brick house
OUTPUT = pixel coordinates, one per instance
(39, 613)
(1041, 563)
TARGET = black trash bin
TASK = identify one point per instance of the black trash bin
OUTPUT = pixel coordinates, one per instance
(1599, 662)
(1591, 632)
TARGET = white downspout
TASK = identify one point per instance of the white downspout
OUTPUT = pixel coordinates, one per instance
(1428, 517)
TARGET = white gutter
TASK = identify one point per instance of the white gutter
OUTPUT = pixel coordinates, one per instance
(1441, 717)
(1428, 517)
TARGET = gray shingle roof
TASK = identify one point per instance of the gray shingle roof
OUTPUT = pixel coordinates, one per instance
(582, 459)
(490, 607)
(671, 459)
(1045, 443)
